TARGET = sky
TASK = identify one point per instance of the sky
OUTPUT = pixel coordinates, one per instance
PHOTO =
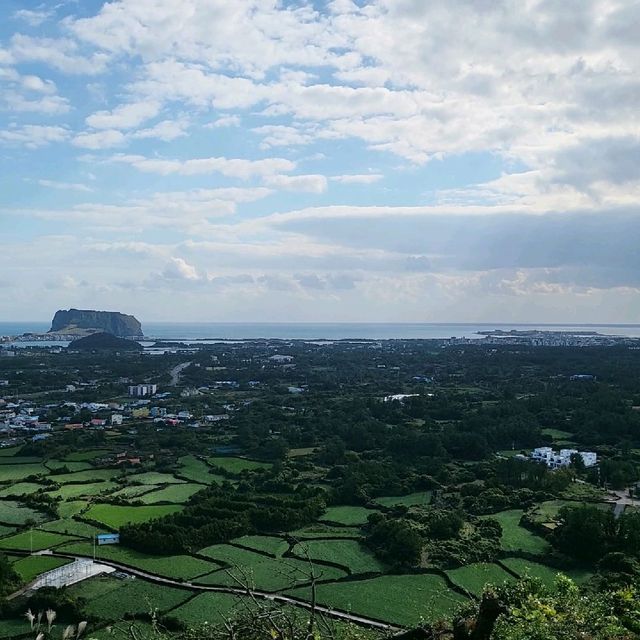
(344, 160)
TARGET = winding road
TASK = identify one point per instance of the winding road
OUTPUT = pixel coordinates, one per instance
(263, 595)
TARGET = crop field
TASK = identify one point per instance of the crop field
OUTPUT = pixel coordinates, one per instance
(32, 566)
(154, 477)
(5, 531)
(71, 527)
(260, 571)
(17, 472)
(133, 491)
(71, 466)
(33, 540)
(543, 572)
(114, 516)
(517, 538)
(413, 499)
(196, 470)
(403, 600)
(71, 508)
(20, 489)
(178, 567)
(474, 577)
(268, 544)
(207, 607)
(13, 628)
(19, 460)
(320, 530)
(348, 553)
(70, 491)
(178, 493)
(13, 513)
(91, 475)
(236, 466)
(347, 515)
(135, 596)
(81, 456)
(8, 452)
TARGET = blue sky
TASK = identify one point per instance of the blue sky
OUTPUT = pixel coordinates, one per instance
(380, 160)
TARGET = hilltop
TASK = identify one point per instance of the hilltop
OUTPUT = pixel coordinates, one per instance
(85, 321)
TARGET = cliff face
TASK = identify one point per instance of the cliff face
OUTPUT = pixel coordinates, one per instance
(118, 324)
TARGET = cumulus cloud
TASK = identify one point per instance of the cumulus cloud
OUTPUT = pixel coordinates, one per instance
(308, 183)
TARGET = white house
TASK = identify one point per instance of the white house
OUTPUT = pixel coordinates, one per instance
(555, 460)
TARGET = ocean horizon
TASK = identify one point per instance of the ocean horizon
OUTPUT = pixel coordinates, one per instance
(333, 330)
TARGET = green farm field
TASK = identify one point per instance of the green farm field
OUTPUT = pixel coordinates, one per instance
(543, 572)
(517, 538)
(348, 553)
(236, 466)
(260, 571)
(403, 600)
(114, 516)
(474, 577)
(35, 540)
(413, 499)
(180, 567)
(268, 544)
(347, 515)
(30, 567)
(179, 493)
(12, 512)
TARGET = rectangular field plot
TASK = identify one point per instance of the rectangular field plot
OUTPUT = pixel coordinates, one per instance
(197, 470)
(267, 544)
(347, 515)
(260, 571)
(6, 531)
(154, 477)
(517, 538)
(326, 531)
(91, 475)
(19, 489)
(347, 553)
(32, 566)
(13, 513)
(178, 567)
(207, 607)
(236, 466)
(413, 499)
(71, 527)
(72, 467)
(71, 508)
(403, 600)
(135, 596)
(134, 491)
(18, 472)
(114, 516)
(177, 493)
(20, 460)
(33, 540)
(543, 572)
(474, 577)
(71, 491)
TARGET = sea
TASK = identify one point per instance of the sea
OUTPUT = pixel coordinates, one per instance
(228, 331)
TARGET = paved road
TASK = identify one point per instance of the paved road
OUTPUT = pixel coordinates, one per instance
(623, 500)
(176, 371)
(273, 597)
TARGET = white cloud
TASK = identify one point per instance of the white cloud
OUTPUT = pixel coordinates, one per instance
(32, 18)
(125, 116)
(225, 121)
(312, 183)
(100, 139)
(60, 53)
(34, 136)
(64, 186)
(178, 269)
(366, 178)
(49, 105)
(230, 167)
(166, 130)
